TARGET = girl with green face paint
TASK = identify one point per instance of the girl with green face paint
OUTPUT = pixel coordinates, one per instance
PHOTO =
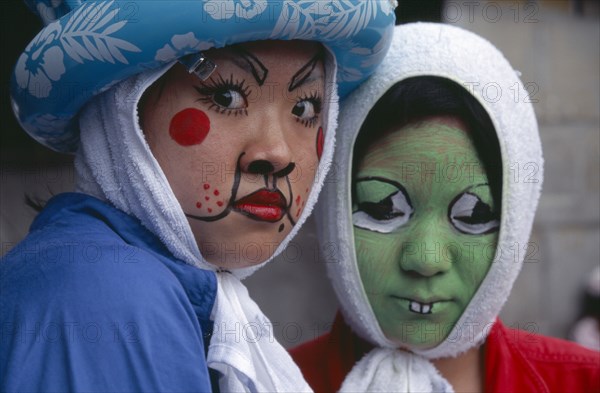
(425, 228)
(419, 225)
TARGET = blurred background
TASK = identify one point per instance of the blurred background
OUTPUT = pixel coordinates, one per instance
(555, 45)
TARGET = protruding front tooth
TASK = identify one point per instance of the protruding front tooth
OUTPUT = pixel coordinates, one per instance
(414, 306)
(426, 308)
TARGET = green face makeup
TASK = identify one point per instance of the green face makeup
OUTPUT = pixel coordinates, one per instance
(425, 229)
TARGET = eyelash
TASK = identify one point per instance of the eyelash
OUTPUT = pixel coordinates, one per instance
(316, 101)
(212, 87)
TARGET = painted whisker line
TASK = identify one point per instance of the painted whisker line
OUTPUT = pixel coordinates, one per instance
(219, 216)
(289, 207)
(236, 180)
(285, 171)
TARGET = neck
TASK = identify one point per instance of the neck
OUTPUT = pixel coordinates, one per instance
(464, 372)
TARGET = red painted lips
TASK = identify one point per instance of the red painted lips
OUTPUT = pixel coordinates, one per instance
(263, 205)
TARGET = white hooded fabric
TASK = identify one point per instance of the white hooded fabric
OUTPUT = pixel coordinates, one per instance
(114, 163)
(428, 49)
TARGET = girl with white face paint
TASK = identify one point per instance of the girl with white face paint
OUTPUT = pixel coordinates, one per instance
(197, 153)
(423, 223)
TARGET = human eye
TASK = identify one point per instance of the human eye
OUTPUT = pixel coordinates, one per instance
(225, 95)
(470, 215)
(386, 215)
(307, 110)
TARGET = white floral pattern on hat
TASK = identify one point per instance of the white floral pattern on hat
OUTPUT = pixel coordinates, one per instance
(96, 43)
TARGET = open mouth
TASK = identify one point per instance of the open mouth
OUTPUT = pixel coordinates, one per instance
(423, 307)
(420, 308)
(263, 205)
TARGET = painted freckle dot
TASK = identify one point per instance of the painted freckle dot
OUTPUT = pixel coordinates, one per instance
(189, 127)
(298, 212)
(198, 205)
(207, 198)
(206, 186)
(298, 200)
(216, 192)
(209, 210)
(220, 203)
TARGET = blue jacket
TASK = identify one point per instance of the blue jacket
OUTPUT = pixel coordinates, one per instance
(92, 301)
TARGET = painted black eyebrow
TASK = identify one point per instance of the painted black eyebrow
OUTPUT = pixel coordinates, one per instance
(303, 73)
(474, 186)
(393, 183)
(251, 64)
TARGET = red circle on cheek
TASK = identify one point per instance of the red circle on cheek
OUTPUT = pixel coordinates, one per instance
(189, 127)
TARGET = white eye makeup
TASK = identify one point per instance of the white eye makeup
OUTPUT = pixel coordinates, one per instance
(470, 215)
(383, 215)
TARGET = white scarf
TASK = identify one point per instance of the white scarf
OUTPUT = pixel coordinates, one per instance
(387, 370)
(114, 163)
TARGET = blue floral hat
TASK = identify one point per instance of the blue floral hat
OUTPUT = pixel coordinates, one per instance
(88, 46)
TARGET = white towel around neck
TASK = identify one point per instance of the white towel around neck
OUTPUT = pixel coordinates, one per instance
(391, 370)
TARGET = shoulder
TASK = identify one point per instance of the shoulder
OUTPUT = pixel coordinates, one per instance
(77, 247)
(307, 355)
(88, 274)
(563, 365)
(314, 361)
(59, 264)
(78, 298)
(540, 348)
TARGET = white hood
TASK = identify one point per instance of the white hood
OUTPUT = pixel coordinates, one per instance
(427, 49)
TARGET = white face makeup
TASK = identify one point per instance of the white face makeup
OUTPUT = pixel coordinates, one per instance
(240, 150)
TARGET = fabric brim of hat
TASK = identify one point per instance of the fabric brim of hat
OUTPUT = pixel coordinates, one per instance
(100, 43)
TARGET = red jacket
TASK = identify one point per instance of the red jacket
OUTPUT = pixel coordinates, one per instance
(515, 361)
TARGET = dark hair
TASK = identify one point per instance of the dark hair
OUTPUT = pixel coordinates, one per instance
(414, 99)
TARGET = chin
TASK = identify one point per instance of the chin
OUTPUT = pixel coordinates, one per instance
(411, 340)
(238, 241)
(232, 254)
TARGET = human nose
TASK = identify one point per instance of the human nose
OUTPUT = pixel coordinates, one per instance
(268, 152)
(428, 252)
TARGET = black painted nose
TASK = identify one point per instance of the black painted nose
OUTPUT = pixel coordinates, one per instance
(261, 167)
(264, 167)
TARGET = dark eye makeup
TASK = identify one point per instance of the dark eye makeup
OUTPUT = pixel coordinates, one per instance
(467, 212)
(225, 96)
(230, 96)
(307, 109)
(386, 215)
(470, 215)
